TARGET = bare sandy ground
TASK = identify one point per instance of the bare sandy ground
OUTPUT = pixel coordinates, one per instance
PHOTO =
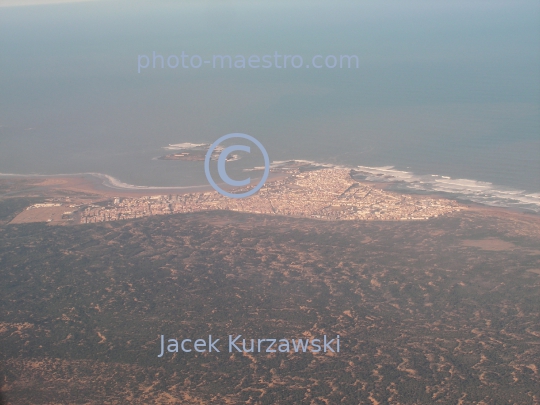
(44, 214)
(490, 244)
(93, 185)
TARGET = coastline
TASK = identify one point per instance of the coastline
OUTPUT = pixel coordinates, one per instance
(89, 189)
(106, 186)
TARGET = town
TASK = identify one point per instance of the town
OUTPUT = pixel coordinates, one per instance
(327, 194)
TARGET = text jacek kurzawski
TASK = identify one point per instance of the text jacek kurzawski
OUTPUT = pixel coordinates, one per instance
(237, 344)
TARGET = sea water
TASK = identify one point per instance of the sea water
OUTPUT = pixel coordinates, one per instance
(445, 98)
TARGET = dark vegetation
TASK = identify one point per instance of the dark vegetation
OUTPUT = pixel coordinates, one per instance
(423, 319)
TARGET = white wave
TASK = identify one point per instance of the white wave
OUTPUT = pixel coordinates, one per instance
(472, 190)
(482, 192)
(463, 184)
(294, 161)
(388, 172)
(113, 182)
(185, 145)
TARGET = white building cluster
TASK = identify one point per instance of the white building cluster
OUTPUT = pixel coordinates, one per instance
(329, 194)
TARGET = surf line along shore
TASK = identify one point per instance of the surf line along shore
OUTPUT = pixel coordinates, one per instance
(103, 185)
(237, 345)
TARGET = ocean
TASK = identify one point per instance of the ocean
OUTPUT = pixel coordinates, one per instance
(445, 97)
